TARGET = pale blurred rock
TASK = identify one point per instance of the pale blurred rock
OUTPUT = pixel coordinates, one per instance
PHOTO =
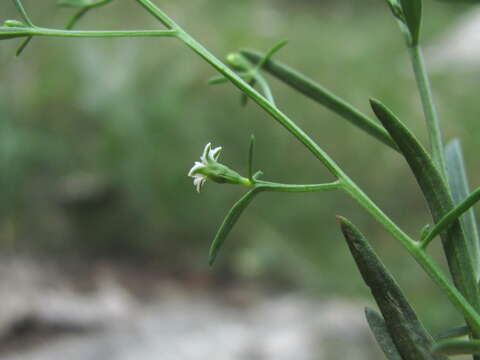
(457, 48)
(175, 324)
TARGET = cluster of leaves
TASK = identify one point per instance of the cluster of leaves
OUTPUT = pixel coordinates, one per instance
(398, 330)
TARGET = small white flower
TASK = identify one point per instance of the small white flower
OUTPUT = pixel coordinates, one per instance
(209, 155)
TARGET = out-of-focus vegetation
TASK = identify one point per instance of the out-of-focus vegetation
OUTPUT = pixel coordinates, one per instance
(97, 136)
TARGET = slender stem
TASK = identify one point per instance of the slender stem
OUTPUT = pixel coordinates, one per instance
(346, 183)
(76, 17)
(429, 109)
(159, 14)
(37, 31)
(21, 9)
(272, 186)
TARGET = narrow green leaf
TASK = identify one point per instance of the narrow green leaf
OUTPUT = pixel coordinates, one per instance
(74, 3)
(251, 149)
(275, 48)
(321, 95)
(229, 222)
(457, 179)
(412, 12)
(412, 341)
(76, 18)
(453, 333)
(454, 215)
(439, 200)
(457, 347)
(379, 329)
(21, 10)
(23, 45)
(220, 79)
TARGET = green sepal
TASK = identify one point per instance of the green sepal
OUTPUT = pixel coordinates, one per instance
(438, 198)
(379, 329)
(457, 347)
(229, 222)
(411, 339)
(321, 95)
(458, 183)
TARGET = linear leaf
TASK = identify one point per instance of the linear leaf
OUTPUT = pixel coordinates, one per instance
(379, 329)
(457, 347)
(319, 94)
(438, 198)
(229, 222)
(453, 333)
(412, 341)
(412, 11)
(454, 215)
(457, 179)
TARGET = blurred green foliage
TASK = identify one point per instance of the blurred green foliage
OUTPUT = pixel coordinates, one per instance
(97, 136)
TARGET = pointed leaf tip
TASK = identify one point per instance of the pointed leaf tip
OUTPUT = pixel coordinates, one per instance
(229, 222)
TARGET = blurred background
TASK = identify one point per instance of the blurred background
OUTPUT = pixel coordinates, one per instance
(97, 212)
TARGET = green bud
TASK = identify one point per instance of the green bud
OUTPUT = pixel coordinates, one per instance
(14, 23)
(238, 62)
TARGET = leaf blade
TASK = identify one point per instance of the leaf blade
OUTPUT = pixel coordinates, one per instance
(380, 332)
(412, 340)
(457, 347)
(458, 183)
(229, 222)
(438, 198)
(321, 95)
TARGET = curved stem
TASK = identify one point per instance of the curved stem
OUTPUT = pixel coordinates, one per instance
(413, 247)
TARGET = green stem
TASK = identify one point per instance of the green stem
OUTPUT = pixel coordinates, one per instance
(347, 184)
(452, 216)
(418, 253)
(429, 109)
(272, 186)
(38, 31)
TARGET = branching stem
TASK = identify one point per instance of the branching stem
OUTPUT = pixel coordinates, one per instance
(39, 31)
(412, 246)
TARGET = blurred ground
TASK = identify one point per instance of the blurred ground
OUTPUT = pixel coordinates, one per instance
(122, 315)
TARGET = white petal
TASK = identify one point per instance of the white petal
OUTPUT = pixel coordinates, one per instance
(195, 167)
(198, 182)
(206, 151)
(214, 153)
